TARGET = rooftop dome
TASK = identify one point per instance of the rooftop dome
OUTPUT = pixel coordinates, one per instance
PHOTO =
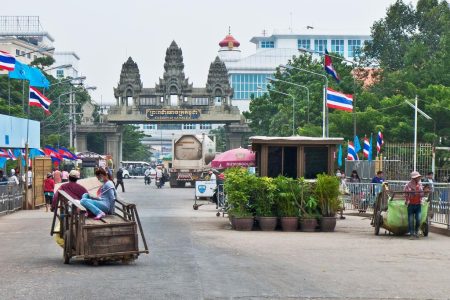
(229, 41)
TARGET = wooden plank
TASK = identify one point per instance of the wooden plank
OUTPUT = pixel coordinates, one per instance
(72, 200)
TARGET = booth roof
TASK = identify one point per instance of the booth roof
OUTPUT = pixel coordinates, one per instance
(295, 140)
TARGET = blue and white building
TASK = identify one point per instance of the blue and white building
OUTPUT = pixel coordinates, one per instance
(247, 73)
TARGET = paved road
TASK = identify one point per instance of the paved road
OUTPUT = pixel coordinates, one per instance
(195, 255)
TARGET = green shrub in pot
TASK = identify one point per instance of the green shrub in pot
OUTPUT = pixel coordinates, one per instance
(287, 191)
(326, 191)
(238, 186)
(263, 197)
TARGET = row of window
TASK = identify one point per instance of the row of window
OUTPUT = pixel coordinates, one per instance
(22, 53)
(185, 126)
(245, 85)
(337, 46)
(194, 101)
(267, 44)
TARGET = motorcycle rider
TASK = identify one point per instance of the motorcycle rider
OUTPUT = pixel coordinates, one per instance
(147, 179)
(159, 176)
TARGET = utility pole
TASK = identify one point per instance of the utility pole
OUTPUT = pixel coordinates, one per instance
(70, 118)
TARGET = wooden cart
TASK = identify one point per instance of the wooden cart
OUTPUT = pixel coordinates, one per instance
(113, 238)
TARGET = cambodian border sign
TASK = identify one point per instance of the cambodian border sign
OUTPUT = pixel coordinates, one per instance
(172, 114)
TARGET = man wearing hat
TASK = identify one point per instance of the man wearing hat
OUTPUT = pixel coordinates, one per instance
(413, 195)
(72, 188)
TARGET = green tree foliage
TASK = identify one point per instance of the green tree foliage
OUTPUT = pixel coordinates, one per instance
(42, 62)
(411, 46)
(221, 138)
(132, 147)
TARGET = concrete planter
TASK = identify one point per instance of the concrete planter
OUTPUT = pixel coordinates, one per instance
(327, 224)
(267, 223)
(308, 225)
(289, 223)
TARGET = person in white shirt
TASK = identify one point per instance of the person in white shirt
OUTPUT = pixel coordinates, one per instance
(13, 178)
(212, 177)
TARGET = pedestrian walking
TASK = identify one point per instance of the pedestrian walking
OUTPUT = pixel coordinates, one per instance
(413, 195)
(13, 178)
(119, 177)
(49, 188)
(57, 176)
(64, 176)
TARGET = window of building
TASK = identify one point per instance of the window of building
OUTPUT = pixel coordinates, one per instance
(304, 43)
(148, 101)
(354, 48)
(337, 46)
(17, 52)
(59, 73)
(200, 101)
(188, 126)
(246, 85)
(28, 55)
(267, 44)
(320, 45)
(205, 126)
(315, 162)
(170, 126)
(150, 126)
(34, 57)
(282, 161)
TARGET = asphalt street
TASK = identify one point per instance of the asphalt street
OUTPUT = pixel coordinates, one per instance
(195, 255)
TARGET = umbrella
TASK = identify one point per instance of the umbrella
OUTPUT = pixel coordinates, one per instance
(234, 158)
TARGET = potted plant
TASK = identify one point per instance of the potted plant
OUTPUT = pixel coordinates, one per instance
(238, 187)
(263, 196)
(309, 214)
(287, 190)
(326, 192)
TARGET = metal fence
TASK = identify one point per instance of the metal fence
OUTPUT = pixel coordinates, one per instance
(362, 197)
(11, 198)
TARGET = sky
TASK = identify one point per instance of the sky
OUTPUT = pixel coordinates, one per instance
(105, 33)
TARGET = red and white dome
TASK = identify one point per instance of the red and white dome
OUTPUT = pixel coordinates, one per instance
(229, 41)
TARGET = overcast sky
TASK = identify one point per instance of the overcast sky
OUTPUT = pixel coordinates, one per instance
(104, 33)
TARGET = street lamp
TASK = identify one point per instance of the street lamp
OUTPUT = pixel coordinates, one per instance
(299, 85)
(416, 110)
(58, 67)
(324, 108)
(286, 94)
(38, 50)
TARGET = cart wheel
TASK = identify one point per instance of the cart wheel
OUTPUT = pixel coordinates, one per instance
(195, 207)
(425, 229)
(218, 214)
(66, 251)
(378, 222)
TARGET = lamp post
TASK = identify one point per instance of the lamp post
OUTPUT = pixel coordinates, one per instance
(416, 110)
(324, 108)
(299, 85)
(38, 50)
(293, 103)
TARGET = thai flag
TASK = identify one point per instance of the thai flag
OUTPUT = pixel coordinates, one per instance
(7, 61)
(11, 154)
(339, 100)
(366, 149)
(64, 152)
(380, 142)
(4, 153)
(39, 100)
(329, 67)
(351, 153)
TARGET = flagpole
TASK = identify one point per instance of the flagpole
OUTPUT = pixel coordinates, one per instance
(26, 149)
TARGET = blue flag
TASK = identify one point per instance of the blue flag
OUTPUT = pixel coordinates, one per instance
(37, 79)
(369, 158)
(356, 144)
(3, 162)
(340, 156)
(21, 71)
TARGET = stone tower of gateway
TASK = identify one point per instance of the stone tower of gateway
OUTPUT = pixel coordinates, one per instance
(175, 101)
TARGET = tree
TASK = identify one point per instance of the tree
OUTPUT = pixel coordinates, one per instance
(44, 61)
(132, 147)
(220, 137)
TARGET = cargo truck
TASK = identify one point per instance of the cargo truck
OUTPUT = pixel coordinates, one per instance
(191, 158)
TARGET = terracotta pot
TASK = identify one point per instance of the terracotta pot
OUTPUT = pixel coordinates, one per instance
(267, 223)
(289, 223)
(243, 224)
(327, 224)
(308, 225)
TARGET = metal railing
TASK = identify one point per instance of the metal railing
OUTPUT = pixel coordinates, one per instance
(11, 198)
(362, 197)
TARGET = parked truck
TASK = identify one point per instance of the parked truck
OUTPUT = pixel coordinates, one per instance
(191, 156)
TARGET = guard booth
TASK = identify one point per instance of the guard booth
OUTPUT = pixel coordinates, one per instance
(295, 156)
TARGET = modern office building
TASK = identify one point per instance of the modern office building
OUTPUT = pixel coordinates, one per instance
(24, 37)
(64, 58)
(247, 73)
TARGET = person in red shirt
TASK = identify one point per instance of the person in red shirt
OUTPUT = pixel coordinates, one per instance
(49, 187)
(57, 176)
(413, 195)
(72, 188)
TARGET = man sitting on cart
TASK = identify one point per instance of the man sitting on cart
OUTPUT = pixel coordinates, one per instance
(72, 188)
(413, 196)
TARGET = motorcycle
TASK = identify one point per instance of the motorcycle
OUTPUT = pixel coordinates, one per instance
(158, 182)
